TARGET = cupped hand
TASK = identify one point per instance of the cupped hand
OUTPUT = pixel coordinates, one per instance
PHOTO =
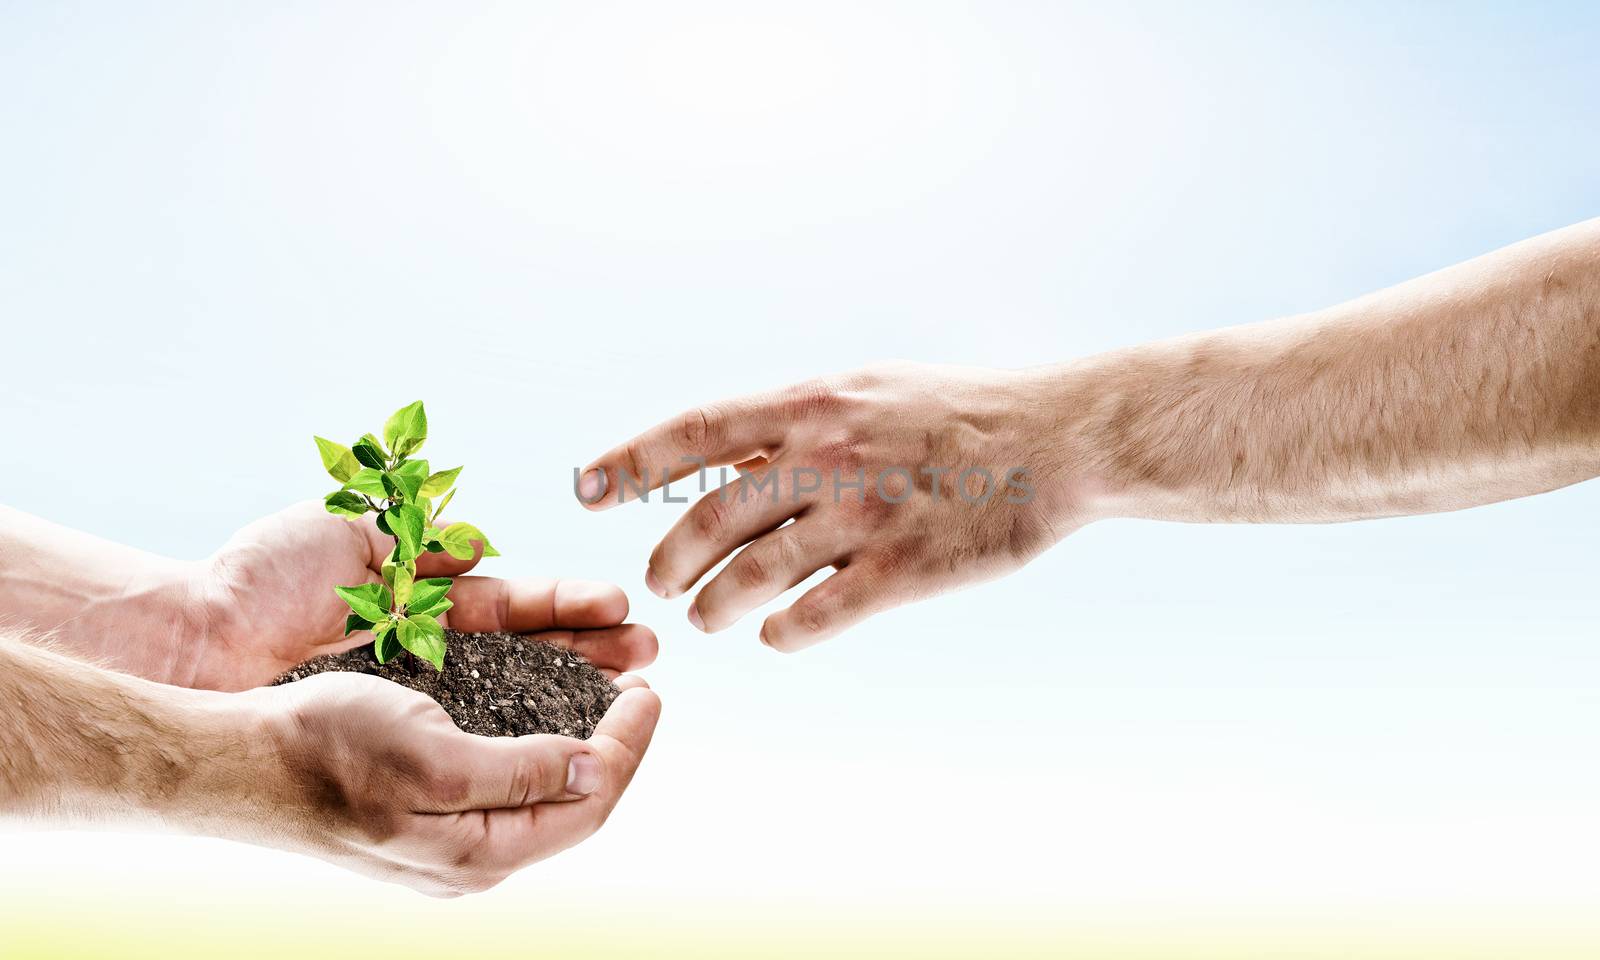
(378, 779)
(269, 603)
(907, 479)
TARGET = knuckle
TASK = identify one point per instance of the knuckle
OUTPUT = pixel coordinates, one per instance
(711, 517)
(697, 430)
(527, 781)
(869, 376)
(810, 615)
(817, 398)
(843, 453)
(790, 549)
(887, 369)
(635, 467)
(753, 570)
(775, 559)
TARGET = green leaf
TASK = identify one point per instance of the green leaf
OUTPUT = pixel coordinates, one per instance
(457, 539)
(383, 525)
(427, 624)
(369, 453)
(371, 601)
(411, 475)
(343, 503)
(355, 622)
(440, 482)
(385, 644)
(406, 428)
(337, 459)
(438, 608)
(406, 523)
(399, 577)
(445, 502)
(422, 635)
(427, 594)
(368, 481)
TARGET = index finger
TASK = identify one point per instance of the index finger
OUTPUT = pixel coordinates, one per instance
(715, 434)
(489, 604)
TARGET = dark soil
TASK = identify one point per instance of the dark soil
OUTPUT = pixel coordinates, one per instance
(493, 684)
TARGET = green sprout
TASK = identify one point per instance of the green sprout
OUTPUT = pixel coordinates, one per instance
(402, 612)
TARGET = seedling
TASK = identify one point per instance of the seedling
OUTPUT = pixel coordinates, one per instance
(380, 477)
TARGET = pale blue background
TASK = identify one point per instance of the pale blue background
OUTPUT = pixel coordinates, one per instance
(224, 227)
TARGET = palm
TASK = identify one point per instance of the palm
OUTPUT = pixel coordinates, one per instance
(277, 577)
(280, 572)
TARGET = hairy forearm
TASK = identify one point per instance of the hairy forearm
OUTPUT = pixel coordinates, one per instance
(84, 745)
(1471, 385)
(100, 601)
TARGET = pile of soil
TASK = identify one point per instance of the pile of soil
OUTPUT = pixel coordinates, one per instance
(493, 684)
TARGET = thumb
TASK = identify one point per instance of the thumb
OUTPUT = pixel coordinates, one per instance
(490, 773)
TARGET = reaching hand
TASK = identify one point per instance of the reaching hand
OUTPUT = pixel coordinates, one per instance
(909, 480)
(269, 602)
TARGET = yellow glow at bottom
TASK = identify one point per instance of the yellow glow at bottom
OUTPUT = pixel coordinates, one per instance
(54, 928)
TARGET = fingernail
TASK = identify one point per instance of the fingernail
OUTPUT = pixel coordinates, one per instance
(583, 774)
(592, 485)
(654, 585)
(694, 617)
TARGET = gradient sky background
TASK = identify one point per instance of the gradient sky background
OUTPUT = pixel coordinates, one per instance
(222, 227)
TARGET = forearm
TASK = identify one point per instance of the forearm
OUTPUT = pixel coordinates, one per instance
(97, 600)
(79, 744)
(1471, 385)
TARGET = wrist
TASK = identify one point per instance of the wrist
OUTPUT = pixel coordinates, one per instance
(217, 769)
(1145, 431)
(1064, 409)
(156, 625)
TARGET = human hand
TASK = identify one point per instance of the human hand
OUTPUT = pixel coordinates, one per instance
(347, 767)
(268, 602)
(917, 434)
(377, 778)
